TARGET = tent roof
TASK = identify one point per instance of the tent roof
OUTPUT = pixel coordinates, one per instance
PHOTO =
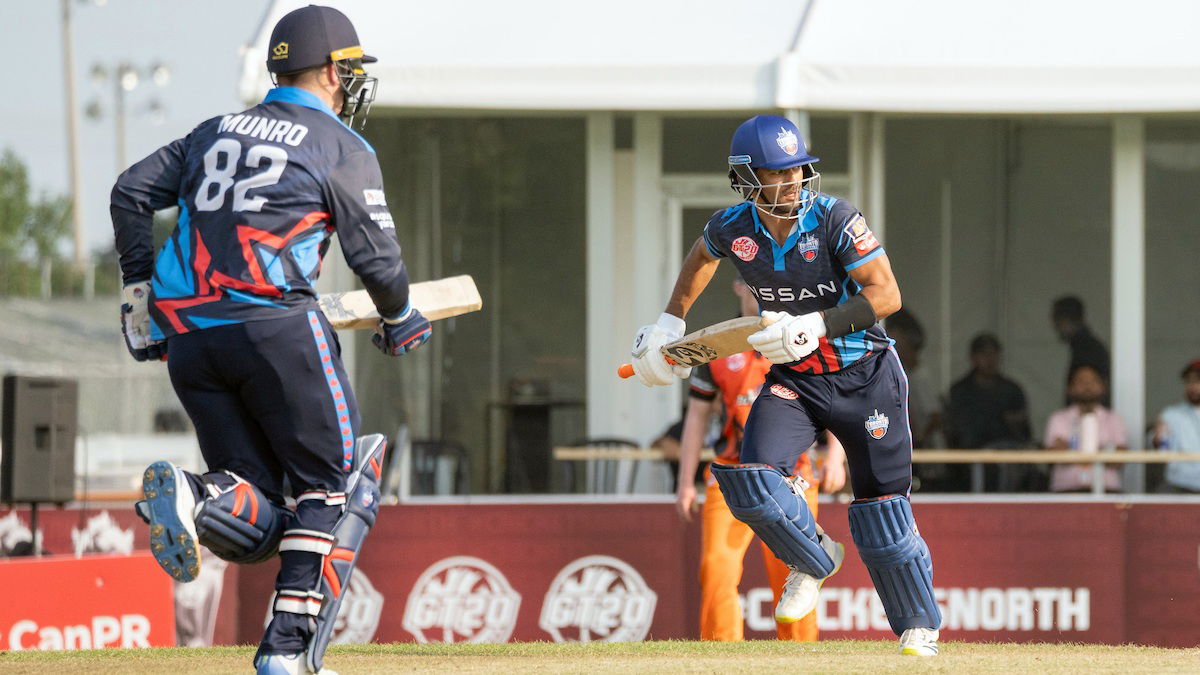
(553, 55)
(1016, 56)
(922, 56)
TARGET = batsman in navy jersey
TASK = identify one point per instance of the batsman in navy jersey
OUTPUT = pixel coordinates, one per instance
(823, 282)
(230, 303)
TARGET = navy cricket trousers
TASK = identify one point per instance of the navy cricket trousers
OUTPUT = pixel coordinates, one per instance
(267, 398)
(864, 405)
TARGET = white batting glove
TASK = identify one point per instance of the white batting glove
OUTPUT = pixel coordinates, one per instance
(135, 323)
(651, 368)
(789, 338)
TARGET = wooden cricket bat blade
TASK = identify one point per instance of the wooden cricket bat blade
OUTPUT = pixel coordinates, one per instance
(707, 344)
(438, 299)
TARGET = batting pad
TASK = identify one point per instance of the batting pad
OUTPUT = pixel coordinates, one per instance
(758, 495)
(898, 559)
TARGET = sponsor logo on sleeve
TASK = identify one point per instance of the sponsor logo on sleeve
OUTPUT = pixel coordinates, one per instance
(877, 425)
(598, 598)
(864, 240)
(744, 248)
(374, 197)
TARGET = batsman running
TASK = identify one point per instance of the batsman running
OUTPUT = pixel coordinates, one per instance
(823, 282)
(253, 359)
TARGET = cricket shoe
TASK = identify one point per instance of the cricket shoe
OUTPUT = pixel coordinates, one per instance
(801, 591)
(285, 664)
(919, 642)
(169, 508)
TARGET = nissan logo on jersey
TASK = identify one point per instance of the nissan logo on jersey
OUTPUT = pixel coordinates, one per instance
(598, 598)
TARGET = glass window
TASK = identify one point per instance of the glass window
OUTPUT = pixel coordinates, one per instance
(502, 199)
(1172, 275)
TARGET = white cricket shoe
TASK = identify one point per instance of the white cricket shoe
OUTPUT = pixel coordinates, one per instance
(919, 642)
(285, 664)
(801, 591)
(169, 508)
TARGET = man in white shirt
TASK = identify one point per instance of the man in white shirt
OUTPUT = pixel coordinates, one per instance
(1178, 430)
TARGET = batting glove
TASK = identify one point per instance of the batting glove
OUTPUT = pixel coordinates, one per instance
(650, 366)
(788, 338)
(135, 324)
(401, 335)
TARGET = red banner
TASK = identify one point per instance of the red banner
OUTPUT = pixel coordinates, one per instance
(87, 603)
(1017, 572)
(1033, 572)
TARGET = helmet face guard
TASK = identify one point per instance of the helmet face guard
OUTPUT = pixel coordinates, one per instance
(745, 182)
(359, 90)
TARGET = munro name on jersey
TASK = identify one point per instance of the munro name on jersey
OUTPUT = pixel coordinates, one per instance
(264, 128)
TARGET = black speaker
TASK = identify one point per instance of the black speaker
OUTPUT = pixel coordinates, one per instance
(38, 432)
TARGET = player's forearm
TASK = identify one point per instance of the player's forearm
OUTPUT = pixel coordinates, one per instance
(692, 438)
(884, 299)
(135, 244)
(698, 269)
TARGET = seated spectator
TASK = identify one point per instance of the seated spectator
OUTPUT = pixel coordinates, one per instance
(1087, 427)
(1178, 430)
(985, 410)
(924, 409)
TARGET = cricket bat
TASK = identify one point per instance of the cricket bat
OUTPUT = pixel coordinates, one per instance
(437, 299)
(708, 344)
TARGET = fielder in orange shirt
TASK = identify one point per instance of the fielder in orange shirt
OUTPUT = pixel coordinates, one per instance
(729, 386)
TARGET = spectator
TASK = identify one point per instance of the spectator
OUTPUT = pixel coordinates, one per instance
(1086, 348)
(1178, 430)
(924, 409)
(1087, 427)
(986, 410)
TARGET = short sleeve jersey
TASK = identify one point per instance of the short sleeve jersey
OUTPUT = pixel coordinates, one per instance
(808, 273)
(259, 193)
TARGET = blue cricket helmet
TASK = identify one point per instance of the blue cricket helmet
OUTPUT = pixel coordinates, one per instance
(772, 142)
(768, 142)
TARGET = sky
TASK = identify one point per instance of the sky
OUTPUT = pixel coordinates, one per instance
(198, 40)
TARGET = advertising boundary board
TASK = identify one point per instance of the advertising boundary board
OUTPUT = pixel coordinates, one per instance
(1104, 572)
(1087, 571)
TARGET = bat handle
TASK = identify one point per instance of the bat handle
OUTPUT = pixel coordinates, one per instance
(626, 370)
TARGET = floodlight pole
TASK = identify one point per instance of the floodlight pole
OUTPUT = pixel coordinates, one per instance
(72, 136)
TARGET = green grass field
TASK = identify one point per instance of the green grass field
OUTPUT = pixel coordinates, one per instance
(758, 657)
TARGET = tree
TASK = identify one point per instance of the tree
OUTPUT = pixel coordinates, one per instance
(30, 230)
(14, 206)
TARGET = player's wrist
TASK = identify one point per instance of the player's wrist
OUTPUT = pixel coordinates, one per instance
(853, 315)
(814, 323)
(672, 324)
(398, 318)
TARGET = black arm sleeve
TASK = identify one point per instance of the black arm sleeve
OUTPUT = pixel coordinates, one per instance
(144, 188)
(367, 233)
(849, 317)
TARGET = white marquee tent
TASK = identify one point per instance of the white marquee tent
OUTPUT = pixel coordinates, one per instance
(1109, 59)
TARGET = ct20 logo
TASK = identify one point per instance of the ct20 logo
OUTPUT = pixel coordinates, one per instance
(461, 599)
(598, 598)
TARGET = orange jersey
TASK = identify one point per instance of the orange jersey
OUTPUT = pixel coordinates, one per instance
(737, 379)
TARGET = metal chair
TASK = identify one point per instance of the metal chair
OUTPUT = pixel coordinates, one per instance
(602, 476)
